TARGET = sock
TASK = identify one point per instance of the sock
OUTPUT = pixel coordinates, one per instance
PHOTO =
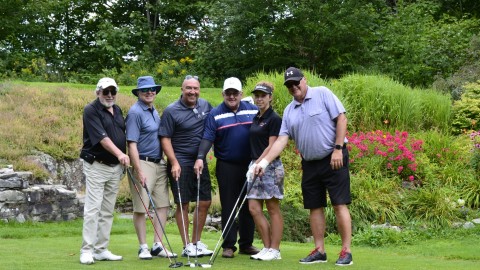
(144, 246)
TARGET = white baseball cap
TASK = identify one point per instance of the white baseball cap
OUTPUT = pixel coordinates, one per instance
(232, 83)
(105, 83)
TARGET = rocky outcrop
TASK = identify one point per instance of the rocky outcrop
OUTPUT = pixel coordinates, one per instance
(21, 199)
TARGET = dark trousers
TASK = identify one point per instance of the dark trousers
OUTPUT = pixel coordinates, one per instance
(231, 179)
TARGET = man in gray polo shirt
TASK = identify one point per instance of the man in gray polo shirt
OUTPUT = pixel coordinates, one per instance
(181, 131)
(316, 121)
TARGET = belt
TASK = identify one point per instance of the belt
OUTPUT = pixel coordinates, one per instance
(105, 163)
(149, 159)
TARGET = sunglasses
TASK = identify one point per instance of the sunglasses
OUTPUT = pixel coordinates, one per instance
(290, 84)
(188, 77)
(107, 91)
(146, 90)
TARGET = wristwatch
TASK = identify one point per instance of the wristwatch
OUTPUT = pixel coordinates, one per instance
(338, 146)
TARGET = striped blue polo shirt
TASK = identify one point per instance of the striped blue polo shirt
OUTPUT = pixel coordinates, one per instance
(229, 131)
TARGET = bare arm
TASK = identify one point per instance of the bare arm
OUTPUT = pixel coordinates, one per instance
(135, 158)
(108, 145)
(277, 148)
(341, 131)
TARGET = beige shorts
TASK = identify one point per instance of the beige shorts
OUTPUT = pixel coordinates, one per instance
(157, 184)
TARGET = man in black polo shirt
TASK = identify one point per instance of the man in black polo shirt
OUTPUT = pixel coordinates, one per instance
(181, 130)
(103, 152)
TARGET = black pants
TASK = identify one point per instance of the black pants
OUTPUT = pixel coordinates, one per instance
(231, 179)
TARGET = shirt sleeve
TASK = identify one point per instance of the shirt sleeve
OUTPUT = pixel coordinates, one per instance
(275, 125)
(94, 125)
(167, 124)
(133, 123)
(209, 132)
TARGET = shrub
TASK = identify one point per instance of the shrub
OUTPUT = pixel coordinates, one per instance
(394, 154)
(466, 111)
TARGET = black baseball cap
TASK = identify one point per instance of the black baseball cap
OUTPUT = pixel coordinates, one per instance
(292, 74)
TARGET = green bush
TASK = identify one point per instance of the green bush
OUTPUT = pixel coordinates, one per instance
(466, 111)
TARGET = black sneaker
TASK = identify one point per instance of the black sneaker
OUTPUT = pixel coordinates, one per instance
(314, 257)
(344, 259)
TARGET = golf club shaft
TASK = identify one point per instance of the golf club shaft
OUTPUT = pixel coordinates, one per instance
(146, 209)
(229, 226)
(183, 219)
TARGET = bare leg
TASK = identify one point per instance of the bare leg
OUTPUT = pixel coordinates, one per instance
(178, 218)
(139, 223)
(276, 219)
(318, 227)
(162, 214)
(344, 224)
(256, 210)
(202, 216)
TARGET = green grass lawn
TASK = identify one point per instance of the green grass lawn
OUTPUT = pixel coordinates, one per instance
(57, 245)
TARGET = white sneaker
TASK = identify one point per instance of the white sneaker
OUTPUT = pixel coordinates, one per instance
(191, 251)
(256, 256)
(271, 255)
(203, 249)
(86, 258)
(144, 254)
(157, 250)
(107, 256)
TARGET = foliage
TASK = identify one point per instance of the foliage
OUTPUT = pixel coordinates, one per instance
(466, 111)
(416, 44)
(378, 102)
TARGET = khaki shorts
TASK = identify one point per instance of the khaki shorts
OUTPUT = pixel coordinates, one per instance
(157, 184)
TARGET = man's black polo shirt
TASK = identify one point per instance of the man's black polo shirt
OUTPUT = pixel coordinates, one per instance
(99, 123)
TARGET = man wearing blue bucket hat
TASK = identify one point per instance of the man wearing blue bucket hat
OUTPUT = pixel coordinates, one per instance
(145, 151)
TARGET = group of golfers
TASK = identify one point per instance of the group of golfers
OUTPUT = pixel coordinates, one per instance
(247, 140)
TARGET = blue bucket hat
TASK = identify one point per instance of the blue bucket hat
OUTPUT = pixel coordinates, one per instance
(146, 82)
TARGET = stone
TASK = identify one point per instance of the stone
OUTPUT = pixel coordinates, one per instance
(11, 183)
(476, 221)
(468, 225)
(20, 218)
(12, 196)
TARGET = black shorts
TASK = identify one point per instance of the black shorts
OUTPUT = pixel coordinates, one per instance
(319, 177)
(188, 185)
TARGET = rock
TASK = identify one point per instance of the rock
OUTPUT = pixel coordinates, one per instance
(476, 221)
(468, 225)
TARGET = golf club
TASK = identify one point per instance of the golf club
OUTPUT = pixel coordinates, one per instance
(228, 224)
(183, 222)
(172, 264)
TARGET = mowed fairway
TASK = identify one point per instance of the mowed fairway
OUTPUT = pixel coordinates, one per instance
(56, 246)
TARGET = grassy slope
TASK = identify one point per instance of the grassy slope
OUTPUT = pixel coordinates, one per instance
(56, 246)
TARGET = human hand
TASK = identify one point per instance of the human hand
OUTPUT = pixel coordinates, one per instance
(260, 167)
(336, 161)
(124, 159)
(250, 172)
(176, 170)
(198, 167)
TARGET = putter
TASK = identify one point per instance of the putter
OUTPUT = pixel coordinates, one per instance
(183, 222)
(174, 264)
(215, 251)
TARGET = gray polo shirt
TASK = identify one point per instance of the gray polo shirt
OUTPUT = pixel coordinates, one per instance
(142, 127)
(311, 123)
(185, 126)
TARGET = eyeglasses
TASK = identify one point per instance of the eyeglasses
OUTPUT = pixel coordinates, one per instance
(107, 91)
(290, 84)
(188, 77)
(146, 90)
(231, 93)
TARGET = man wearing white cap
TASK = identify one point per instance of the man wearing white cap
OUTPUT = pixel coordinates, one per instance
(227, 127)
(103, 152)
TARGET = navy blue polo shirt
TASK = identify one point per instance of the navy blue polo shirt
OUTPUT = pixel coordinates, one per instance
(142, 127)
(229, 131)
(262, 129)
(99, 123)
(184, 126)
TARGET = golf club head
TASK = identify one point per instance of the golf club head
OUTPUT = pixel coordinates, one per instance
(205, 265)
(176, 265)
